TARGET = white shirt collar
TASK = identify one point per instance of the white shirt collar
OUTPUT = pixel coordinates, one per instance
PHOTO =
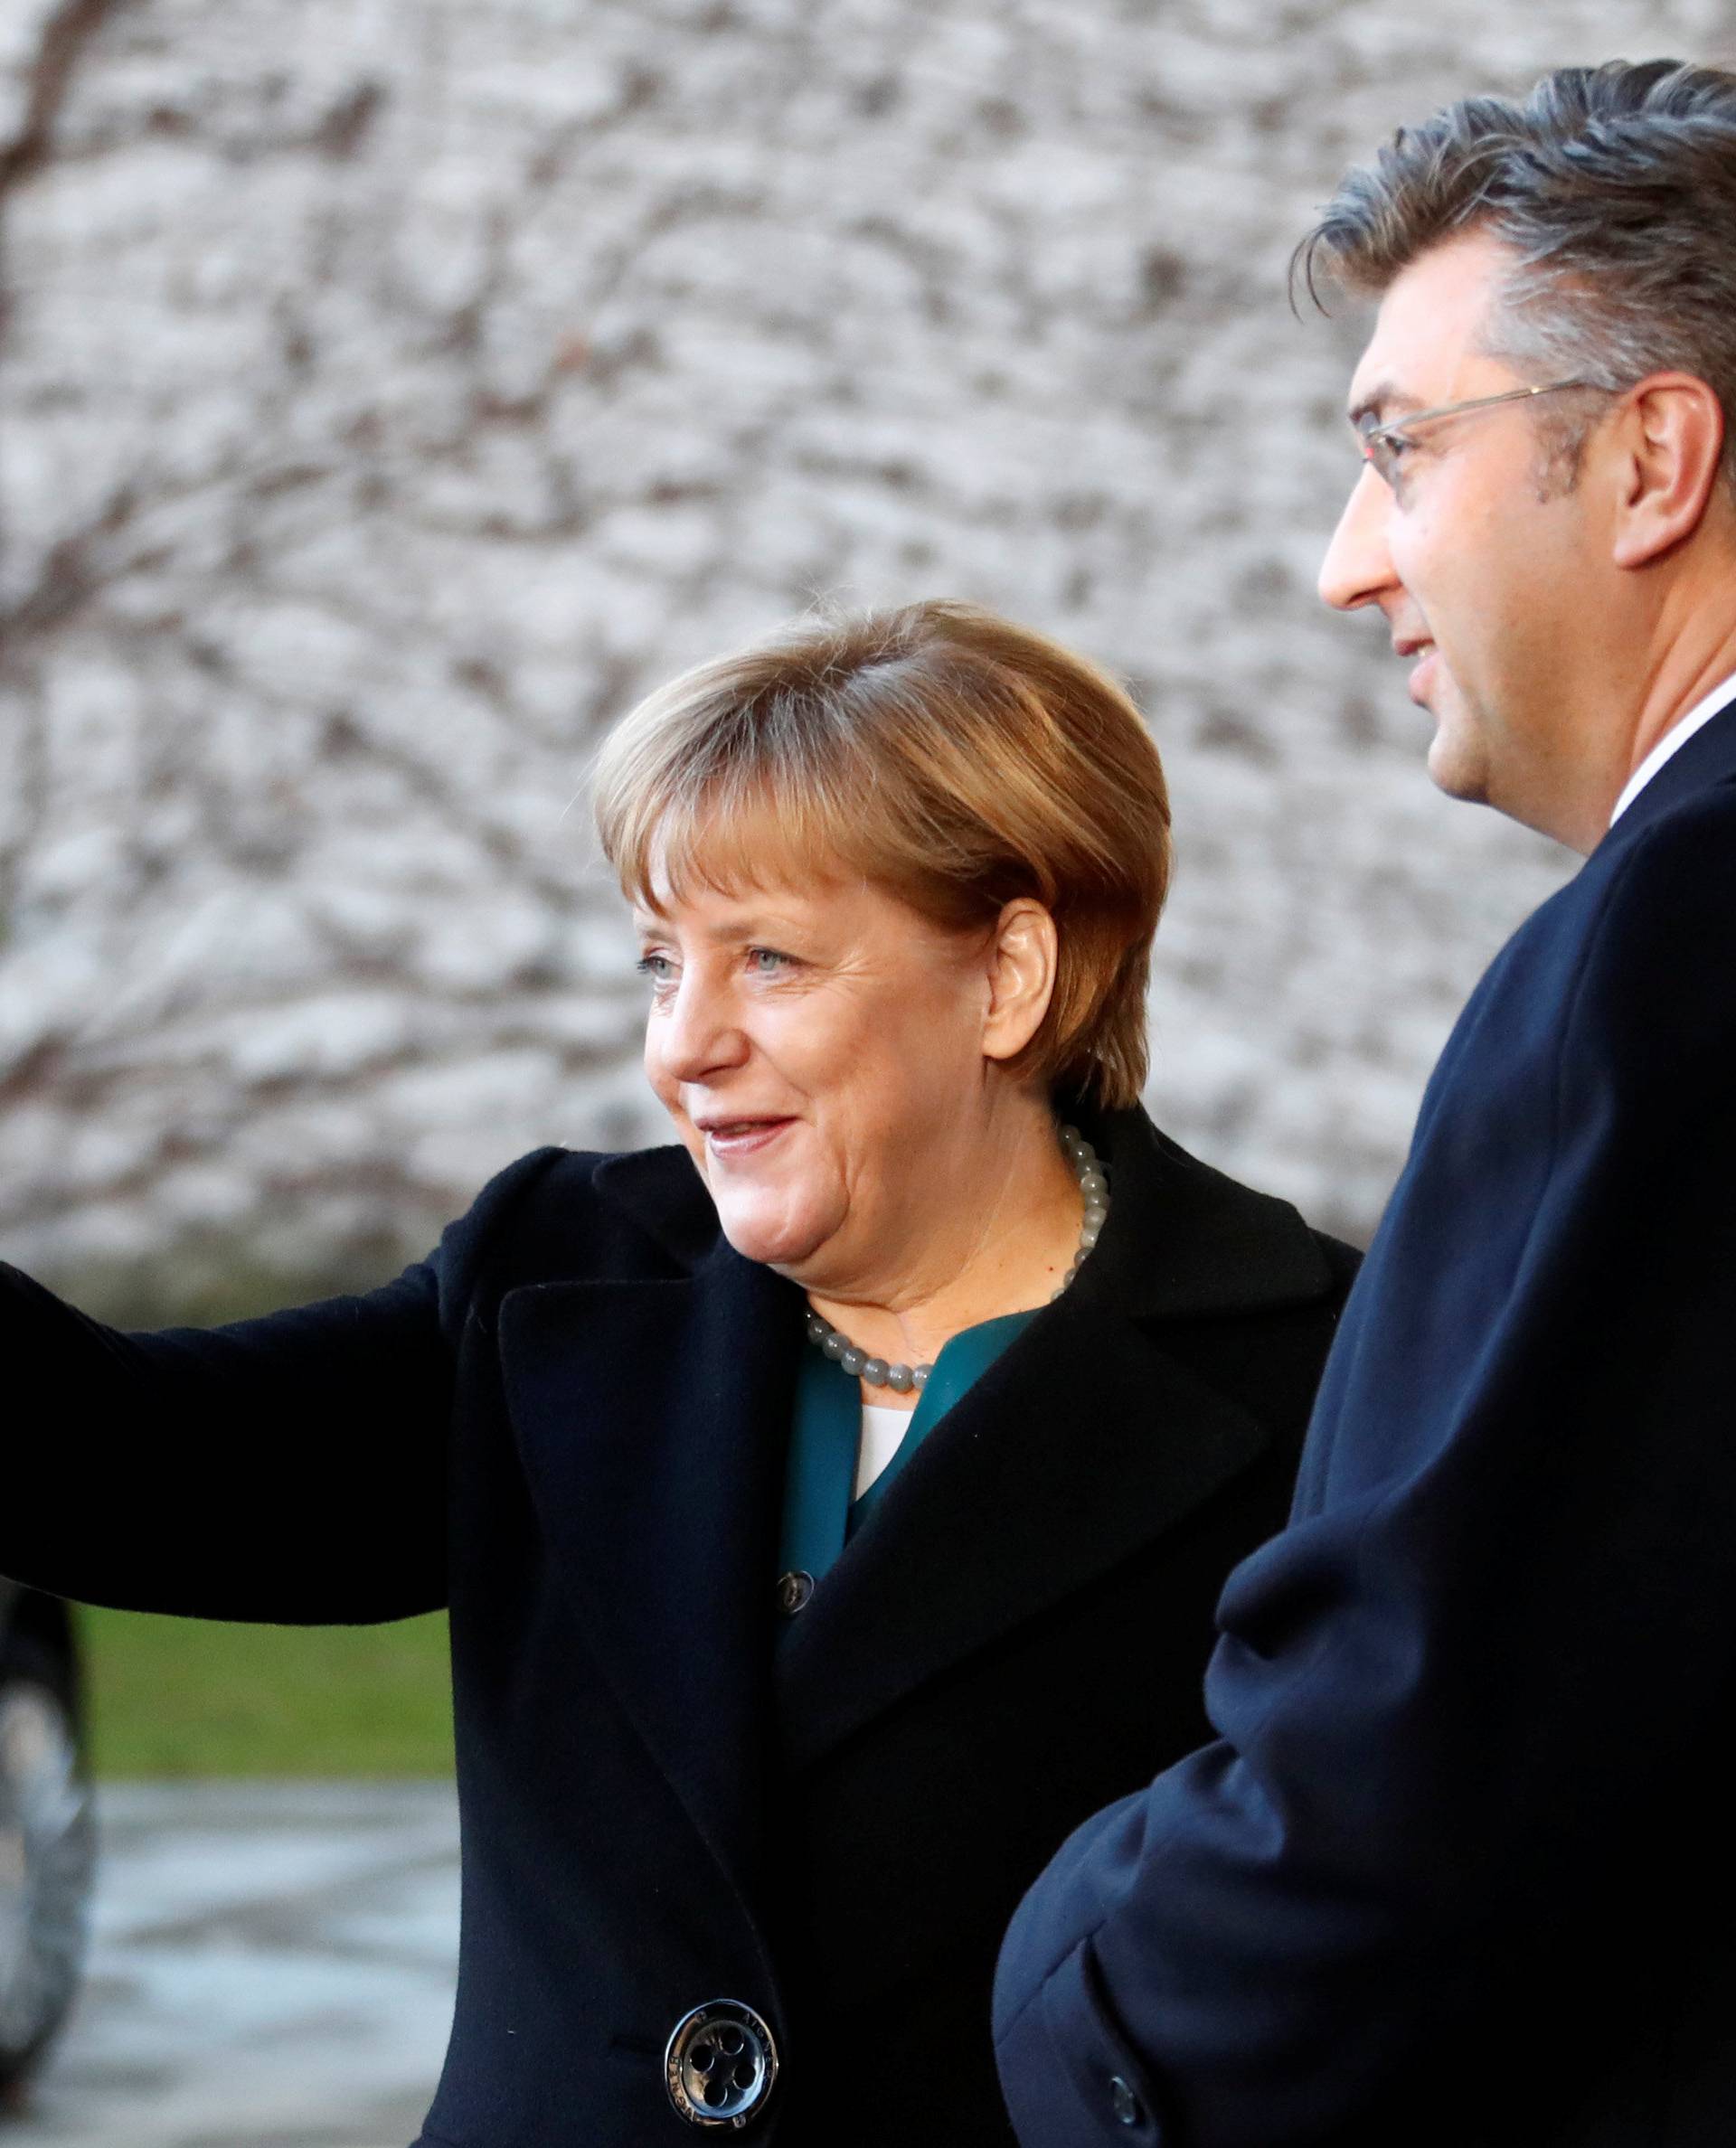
(1673, 741)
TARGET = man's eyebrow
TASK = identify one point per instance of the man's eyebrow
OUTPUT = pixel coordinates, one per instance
(1377, 402)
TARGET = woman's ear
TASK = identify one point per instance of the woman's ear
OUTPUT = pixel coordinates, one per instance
(1022, 955)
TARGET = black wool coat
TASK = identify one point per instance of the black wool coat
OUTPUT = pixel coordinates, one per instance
(570, 1424)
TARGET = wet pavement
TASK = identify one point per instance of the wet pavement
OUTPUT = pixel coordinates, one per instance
(271, 1967)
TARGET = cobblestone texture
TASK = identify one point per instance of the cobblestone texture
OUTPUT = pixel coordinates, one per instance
(396, 388)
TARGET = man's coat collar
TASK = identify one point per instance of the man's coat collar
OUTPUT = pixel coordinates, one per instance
(1708, 757)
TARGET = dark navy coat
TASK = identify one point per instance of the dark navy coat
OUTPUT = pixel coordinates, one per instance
(570, 1426)
(1460, 1865)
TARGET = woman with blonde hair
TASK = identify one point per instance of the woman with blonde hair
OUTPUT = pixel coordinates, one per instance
(831, 1505)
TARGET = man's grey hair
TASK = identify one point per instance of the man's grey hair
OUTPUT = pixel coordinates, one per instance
(1615, 189)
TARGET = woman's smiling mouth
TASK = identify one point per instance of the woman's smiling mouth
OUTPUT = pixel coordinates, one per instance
(740, 1136)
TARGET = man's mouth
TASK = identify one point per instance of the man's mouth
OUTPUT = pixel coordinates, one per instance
(1425, 651)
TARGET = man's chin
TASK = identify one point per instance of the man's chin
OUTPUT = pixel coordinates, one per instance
(1454, 767)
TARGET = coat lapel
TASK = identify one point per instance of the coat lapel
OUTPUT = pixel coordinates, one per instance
(653, 1418)
(1083, 1444)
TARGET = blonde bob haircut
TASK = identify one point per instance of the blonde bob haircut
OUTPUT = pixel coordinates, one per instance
(941, 753)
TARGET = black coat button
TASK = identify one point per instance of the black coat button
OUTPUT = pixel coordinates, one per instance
(720, 2064)
(1127, 2104)
(793, 1591)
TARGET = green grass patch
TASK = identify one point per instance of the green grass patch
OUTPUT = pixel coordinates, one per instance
(194, 1697)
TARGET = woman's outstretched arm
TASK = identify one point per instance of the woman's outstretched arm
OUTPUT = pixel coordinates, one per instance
(291, 1469)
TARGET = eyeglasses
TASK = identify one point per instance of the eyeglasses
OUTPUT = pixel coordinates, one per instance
(1383, 445)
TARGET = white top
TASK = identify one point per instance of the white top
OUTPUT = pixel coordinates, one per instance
(1673, 741)
(883, 1429)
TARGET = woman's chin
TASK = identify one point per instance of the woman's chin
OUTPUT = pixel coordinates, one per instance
(770, 1233)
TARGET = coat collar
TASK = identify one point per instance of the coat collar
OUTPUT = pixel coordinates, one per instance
(1708, 757)
(653, 1420)
(1186, 1242)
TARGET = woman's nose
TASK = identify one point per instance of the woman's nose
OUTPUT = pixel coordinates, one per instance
(1358, 565)
(697, 1033)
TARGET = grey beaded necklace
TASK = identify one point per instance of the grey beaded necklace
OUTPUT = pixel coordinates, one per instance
(876, 1373)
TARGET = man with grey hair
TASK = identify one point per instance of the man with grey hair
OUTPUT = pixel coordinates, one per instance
(1459, 1866)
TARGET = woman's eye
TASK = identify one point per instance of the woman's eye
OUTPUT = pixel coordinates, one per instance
(766, 962)
(657, 967)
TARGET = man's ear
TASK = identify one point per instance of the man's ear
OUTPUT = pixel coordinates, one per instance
(1669, 441)
(1022, 956)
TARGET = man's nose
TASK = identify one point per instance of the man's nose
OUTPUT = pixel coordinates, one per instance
(1358, 566)
(697, 1035)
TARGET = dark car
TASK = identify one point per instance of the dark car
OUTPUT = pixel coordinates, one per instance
(47, 1830)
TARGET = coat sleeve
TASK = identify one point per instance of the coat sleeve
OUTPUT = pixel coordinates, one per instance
(1468, 1700)
(291, 1469)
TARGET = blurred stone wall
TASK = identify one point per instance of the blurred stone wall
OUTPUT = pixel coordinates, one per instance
(394, 388)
